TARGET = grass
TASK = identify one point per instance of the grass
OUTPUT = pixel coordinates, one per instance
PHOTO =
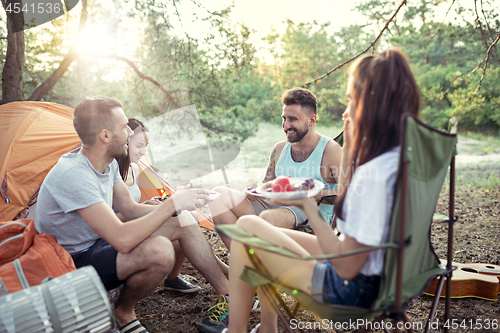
(478, 143)
(482, 169)
(480, 176)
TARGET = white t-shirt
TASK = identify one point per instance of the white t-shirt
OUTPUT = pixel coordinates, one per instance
(368, 206)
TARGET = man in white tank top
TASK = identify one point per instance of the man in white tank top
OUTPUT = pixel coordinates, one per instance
(304, 153)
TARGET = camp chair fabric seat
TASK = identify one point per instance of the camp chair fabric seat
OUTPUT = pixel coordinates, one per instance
(259, 278)
(427, 153)
(410, 261)
(340, 313)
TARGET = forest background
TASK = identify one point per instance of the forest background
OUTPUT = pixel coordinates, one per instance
(161, 55)
(141, 52)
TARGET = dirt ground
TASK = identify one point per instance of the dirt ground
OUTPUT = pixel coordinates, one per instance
(476, 239)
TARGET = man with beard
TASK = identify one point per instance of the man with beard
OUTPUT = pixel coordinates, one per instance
(74, 205)
(306, 153)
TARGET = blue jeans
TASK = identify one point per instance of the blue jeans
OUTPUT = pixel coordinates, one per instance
(328, 287)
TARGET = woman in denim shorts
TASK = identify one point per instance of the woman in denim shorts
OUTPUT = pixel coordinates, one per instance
(380, 90)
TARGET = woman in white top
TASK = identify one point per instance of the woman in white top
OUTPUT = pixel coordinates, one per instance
(137, 148)
(129, 170)
(380, 90)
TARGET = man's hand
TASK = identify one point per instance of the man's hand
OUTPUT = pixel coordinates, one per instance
(186, 198)
(251, 186)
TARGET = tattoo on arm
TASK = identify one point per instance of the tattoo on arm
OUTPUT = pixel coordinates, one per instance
(270, 168)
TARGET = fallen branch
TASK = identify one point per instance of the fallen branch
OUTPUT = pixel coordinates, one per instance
(372, 45)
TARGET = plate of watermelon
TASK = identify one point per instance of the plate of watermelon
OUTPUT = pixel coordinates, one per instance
(290, 188)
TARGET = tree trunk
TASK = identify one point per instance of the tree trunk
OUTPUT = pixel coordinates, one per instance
(50, 82)
(12, 76)
(72, 54)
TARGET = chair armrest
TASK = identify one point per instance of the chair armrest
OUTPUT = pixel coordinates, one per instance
(235, 232)
(330, 198)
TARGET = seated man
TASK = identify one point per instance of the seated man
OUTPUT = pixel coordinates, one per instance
(305, 153)
(75, 203)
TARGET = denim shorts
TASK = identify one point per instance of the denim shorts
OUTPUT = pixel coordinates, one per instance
(328, 287)
(102, 257)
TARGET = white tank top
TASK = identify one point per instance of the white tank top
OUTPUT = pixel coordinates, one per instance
(134, 189)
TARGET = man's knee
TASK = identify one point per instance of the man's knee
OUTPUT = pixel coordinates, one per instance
(158, 251)
(220, 189)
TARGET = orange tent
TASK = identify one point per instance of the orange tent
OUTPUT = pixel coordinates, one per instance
(152, 184)
(34, 135)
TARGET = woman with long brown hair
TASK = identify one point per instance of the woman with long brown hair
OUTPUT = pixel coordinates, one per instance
(380, 90)
(129, 170)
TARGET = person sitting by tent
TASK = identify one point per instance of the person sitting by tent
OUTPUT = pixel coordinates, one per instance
(380, 90)
(129, 171)
(74, 205)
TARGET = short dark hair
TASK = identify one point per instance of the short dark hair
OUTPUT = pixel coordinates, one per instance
(92, 115)
(302, 96)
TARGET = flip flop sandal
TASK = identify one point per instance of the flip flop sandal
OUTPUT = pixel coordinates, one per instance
(134, 326)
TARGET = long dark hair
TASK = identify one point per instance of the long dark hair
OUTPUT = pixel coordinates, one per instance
(124, 162)
(384, 89)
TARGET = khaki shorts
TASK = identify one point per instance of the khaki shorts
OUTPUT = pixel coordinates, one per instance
(261, 205)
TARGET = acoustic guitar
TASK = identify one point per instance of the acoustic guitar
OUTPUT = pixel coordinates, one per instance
(471, 280)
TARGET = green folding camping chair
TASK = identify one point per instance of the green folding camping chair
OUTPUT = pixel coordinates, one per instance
(410, 262)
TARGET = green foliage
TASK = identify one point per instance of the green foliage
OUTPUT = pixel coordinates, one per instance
(233, 91)
(308, 51)
(443, 57)
(268, 110)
